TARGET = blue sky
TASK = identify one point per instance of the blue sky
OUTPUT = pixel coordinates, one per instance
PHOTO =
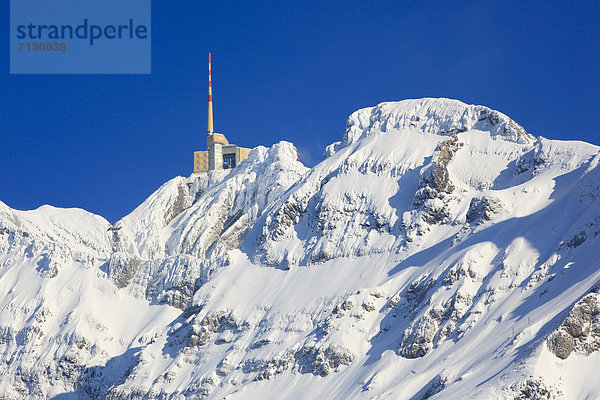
(287, 71)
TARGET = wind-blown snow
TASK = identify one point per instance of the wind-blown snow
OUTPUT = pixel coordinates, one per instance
(439, 250)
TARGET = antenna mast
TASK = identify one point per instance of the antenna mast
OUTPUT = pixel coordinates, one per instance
(210, 106)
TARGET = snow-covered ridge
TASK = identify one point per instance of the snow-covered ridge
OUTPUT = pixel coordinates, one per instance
(439, 252)
(189, 215)
(429, 115)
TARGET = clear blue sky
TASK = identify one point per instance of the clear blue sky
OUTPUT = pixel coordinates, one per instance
(287, 71)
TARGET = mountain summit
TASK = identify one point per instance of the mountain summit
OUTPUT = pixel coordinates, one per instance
(438, 251)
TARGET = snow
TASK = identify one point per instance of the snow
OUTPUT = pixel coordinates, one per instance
(431, 115)
(431, 254)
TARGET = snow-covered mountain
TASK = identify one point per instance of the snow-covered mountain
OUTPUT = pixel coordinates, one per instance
(439, 251)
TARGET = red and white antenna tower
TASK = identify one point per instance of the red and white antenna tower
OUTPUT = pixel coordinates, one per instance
(210, 107)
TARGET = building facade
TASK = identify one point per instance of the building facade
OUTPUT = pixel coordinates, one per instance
(220, 154)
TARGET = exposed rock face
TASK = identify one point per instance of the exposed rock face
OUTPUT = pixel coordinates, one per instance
(535, 389)
(202, 331)
(187, 274)
(218, 326)
(122, 267)
(418, 339)
(180, 203)
(561, 344)
(267, 369)
(435, 185)
(433, 387)
(580, 331)
(483, 209)
(578, 239)
(434, 326)
(319, 361)
(441, 179)
(306, 360)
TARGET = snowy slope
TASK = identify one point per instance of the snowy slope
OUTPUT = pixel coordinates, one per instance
(439, 250)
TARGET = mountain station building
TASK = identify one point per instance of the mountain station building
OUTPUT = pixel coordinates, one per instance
(219, 154)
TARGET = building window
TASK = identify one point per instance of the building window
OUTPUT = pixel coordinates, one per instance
(228, 160)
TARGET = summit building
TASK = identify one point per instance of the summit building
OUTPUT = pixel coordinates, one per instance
(220, 154)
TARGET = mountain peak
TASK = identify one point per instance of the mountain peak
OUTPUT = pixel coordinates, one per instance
(430, 115)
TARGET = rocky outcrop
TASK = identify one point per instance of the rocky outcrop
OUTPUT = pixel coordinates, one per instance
(322, 361)
(268, 368)
(122, 267)
(482, 209)
(580, 331)
(187, 274)
(202, 330)
(577, 239)
(534, 388)
(435, 185)
(440, 177)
